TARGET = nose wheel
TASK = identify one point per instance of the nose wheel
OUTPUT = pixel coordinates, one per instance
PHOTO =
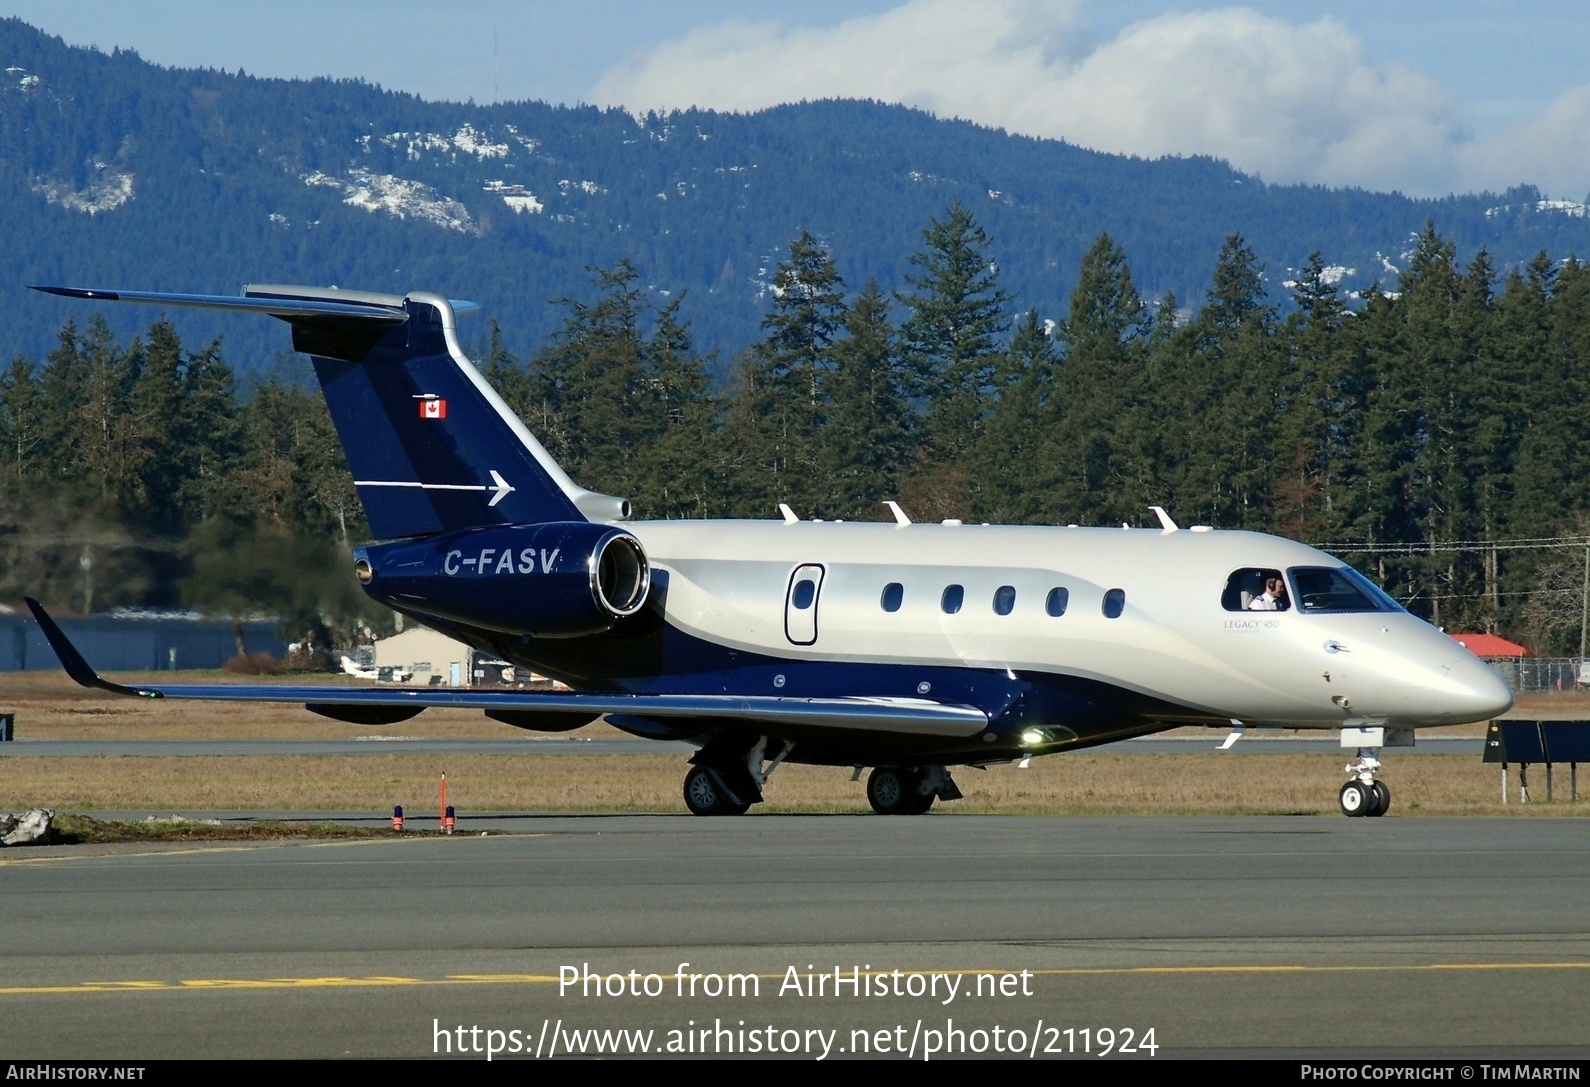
(1364, 795)
(1359, 799)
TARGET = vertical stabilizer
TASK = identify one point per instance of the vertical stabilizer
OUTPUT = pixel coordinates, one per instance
(431, 445)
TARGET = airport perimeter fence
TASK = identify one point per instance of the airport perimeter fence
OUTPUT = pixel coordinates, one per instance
(1542, 673)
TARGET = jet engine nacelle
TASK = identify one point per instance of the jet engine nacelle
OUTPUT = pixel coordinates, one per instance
(557, 580)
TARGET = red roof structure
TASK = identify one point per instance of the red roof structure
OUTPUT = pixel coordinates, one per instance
(1488, 645)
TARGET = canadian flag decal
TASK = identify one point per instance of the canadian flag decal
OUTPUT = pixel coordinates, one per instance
(433, 408)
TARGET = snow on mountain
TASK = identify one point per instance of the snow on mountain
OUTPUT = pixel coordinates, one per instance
(1331, 275)
(1564, 207)
(397, 197)
(1571, 208)
(468, 139)
(526, 142)
(517, 197)
(472, 142)
(109, 190)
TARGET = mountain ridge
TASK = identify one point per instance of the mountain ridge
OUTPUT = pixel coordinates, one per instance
(115, 172)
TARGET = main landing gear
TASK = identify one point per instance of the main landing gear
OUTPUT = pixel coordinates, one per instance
(705, 794)
(1363, 795)
(909, 790)
(727, 776)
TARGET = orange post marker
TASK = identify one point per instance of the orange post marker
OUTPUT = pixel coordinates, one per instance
(441, 814)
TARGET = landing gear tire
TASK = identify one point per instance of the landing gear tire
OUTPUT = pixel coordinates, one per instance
(704, 796)
(1382, 799)
(895, 790)
(1358, 799)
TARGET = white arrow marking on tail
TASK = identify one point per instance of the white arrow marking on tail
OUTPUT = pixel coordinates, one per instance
(500, 487)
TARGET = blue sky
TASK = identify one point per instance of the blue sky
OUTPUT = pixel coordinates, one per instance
(1424, 97)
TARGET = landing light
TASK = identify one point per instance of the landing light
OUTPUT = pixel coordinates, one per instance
(1032, 737)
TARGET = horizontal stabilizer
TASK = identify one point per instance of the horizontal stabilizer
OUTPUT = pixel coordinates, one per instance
(909, 715)
(286, 308)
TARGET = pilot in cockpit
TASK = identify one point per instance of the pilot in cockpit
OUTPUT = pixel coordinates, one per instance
(1272, 599)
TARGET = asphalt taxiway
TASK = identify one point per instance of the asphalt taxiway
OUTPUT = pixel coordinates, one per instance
(1464, 938)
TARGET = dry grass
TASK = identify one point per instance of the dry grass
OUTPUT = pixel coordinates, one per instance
(1094, 784)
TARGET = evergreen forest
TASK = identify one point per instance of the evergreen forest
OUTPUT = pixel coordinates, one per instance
(1427, 428)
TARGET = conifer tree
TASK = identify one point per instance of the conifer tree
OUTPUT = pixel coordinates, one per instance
(807, 315)
(952, 337)
(681, 476)
(1216, 406)
(506, 373)
(865, 446)
(20, 428)
(1097, 442)
(588, 386)
(1016, 467)
(1322, 408)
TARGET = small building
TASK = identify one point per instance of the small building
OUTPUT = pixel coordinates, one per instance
(428, 658)
(422, 657)
(1489, 645)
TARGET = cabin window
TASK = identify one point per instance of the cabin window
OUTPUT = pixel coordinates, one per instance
(1004, 599)
(805, 593)
(1256, 588)
(893, 594)
(1056, 603)
(1324, 589)
(951, 601)
(1114, 603)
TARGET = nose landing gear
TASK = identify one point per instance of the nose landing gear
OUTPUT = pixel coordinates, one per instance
(1360, 799)
(1363, 795)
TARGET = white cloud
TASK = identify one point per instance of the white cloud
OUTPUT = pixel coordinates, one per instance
(1554, 148)
(1291, 103)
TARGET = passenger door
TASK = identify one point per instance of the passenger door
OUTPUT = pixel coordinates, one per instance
(800, 604)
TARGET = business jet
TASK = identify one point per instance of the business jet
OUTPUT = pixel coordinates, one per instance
(905, 647)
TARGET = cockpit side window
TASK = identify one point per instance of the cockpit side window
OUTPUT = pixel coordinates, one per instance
(1256, 588)
(1327, 589)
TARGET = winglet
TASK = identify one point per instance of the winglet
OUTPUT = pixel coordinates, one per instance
(76, 667)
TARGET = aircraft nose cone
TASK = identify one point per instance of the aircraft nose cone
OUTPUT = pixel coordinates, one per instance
(1474, 692)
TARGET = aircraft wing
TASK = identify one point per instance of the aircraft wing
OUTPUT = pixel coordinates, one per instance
(909, 715)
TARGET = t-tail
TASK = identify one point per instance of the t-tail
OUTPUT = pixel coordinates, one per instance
(432, 447)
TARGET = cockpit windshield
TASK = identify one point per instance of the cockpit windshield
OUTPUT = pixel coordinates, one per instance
(1385, 599)
(1327, 589)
